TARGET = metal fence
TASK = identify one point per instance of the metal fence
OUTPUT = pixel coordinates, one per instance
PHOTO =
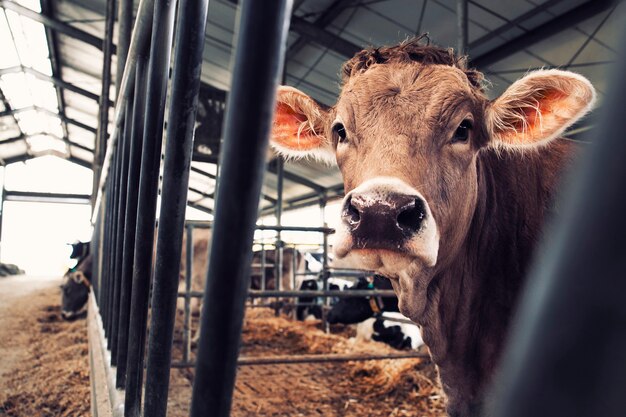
(133, 281)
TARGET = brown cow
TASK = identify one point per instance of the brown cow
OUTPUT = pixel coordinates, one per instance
(446, 191)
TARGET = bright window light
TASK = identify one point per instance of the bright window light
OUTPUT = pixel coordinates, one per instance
(8, 57)
(34, 5)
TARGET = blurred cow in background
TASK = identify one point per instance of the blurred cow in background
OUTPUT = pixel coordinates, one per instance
(75, 288)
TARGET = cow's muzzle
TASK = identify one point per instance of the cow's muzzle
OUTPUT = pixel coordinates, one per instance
(387, 214)
(383, 223)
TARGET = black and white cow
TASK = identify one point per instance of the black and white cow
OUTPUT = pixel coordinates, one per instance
(75, 289)
(351, 310)
(391, 328)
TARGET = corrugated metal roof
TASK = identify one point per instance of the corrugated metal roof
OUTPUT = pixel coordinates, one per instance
(556, 34)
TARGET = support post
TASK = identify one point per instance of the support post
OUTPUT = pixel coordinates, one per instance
(190, 32)
(462, 28)
(257, 68)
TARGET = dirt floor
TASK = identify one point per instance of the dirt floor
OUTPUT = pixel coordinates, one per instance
(401, 387)
(44, 366)
(44, 370)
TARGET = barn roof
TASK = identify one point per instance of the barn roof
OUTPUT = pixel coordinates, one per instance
(53, 51)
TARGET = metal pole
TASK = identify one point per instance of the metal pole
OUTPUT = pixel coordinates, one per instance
(575, 304)
(188, 273)
(112, 253)
(123, 145)
(103, 108)
(278, 256)
(140, 283)
(124, 29)
(190, 32)
(461, 25)
(125, 251)
(2, 207)
(257, 68)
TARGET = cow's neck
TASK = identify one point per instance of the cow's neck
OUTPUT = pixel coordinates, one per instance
(471, 302)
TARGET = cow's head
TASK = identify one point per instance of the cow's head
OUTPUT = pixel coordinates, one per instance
(74, 295)
(406, 133)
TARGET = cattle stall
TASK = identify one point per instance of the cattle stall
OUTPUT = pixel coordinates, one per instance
(224, 339)
(124, 292)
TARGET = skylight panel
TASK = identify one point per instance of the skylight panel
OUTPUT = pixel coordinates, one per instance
(31, 43)
(32, 122)
(15, 89)
(44, 143)
(8, 57)
(44, 94)
(34, 5)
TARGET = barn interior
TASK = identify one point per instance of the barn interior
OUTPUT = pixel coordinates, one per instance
(65, 74)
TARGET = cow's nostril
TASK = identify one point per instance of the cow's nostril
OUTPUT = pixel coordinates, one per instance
(351, 213)
(410, 219)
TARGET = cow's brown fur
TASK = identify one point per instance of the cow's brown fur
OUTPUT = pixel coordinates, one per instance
(400, 106)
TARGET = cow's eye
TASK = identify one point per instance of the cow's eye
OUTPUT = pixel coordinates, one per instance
(462, 132)
(340, 131)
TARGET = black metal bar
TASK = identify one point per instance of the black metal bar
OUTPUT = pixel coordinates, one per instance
(326, 230)
(316, 358)
(55, 24)
(192, 15)
(278, 273)
(140, 279)
(115, 214)
(120, 338)
(257, 70)
(139, 42)
(124, 28)
(134, 134)
(103, 109)
(567, 20)
(461, 26)
(112, 185)
(188, 275)
(123, 145)
(575, 305)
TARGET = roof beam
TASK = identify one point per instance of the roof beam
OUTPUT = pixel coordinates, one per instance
(296, 178)
(565, 21)
(325, 19)
(314, 33)
(515, 23)
(55, 25)
(56, 81)
(30, 196)
(63, 118)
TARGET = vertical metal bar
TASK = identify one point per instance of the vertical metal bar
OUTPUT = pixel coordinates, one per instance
(263, 266)
(143, 249)
(103, 108)
(105, 256)
(188, 274)
(124, 28)
(278, 268)
(111, 261)
(116, 249)
(134, 141)
(462, 33)
(574, 308)
(94, 249)
(190, 32)
(123, 296)
(325, 273)
(122, 144)
(2, 196)
(257, 68)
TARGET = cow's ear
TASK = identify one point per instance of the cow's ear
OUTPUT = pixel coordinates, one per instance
(299, 129)
(538, 108)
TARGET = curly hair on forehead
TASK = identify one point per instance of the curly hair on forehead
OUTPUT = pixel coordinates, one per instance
(411, 50)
